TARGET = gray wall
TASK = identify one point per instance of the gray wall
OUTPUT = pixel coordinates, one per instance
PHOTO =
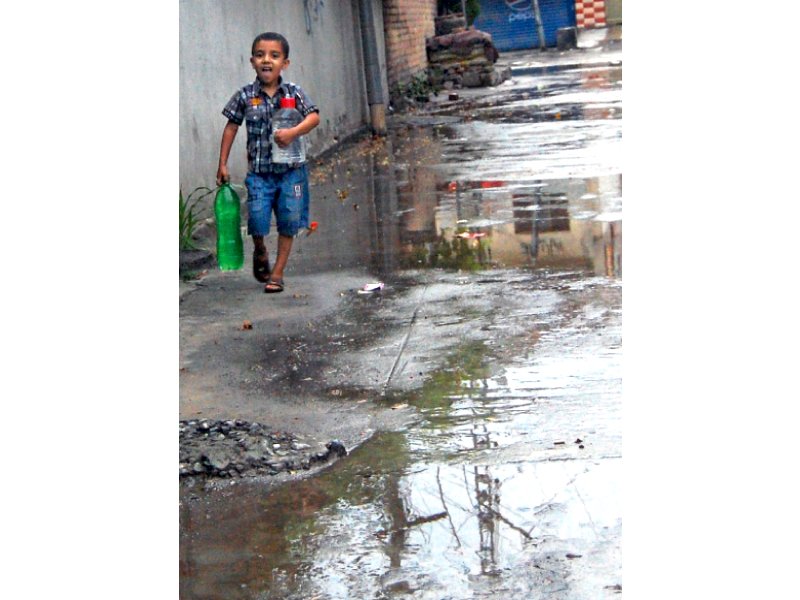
(327, 62)
(613, 12)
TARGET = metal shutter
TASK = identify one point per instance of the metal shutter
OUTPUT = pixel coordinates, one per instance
(513, 27)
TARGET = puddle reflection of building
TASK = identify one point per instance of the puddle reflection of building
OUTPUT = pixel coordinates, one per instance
(384, 235)
(488, 507)
(416, 188)
(431, 211)
(605, 243)
(569, 224)
(605, 78)
(487, 498)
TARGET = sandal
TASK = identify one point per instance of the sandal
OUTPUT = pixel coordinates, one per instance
(273, 286)
(261, 267)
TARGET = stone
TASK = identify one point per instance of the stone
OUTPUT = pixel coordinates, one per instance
(218, 458)
(336, 447)
(471, 79)
(245, 450)
(566, 38)
(449, 23)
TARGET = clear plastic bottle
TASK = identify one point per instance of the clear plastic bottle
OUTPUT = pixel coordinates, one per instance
(288, 116)
(230, 248)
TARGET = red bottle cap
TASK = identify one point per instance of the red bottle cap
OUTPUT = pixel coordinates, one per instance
(288, 102)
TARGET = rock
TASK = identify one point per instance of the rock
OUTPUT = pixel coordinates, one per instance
(336, 447)
(496, 76)
(236, 448)
(448, 23)
(471, 79)
(566, 38)
(465, 58)
(190, 260)
(218, 458)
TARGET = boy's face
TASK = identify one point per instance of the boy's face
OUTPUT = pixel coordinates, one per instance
(268, 61)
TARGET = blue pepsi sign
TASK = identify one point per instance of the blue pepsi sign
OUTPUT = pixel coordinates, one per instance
(513, 26)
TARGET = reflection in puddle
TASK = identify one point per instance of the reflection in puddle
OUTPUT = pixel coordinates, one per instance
(556, 223)
(486, 493)
(478, 194)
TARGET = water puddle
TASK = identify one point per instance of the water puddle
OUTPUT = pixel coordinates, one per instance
(511, 470)
(508, 484)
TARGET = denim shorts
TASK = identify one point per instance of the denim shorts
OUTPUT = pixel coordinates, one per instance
(285, 194)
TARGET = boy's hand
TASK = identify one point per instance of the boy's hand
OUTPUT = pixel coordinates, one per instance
(222, 175)
(284, 137)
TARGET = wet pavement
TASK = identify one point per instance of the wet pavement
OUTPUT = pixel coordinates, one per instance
(479, 392)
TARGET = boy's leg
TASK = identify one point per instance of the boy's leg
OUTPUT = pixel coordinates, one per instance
(261, 268)
(306, 199)
(292, 206)
(284, 249)
(260, 191)
(260, 246)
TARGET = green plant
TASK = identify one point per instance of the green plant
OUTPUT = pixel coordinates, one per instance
(473, 8)
(418, 88)
(456, 254)
(190, 215)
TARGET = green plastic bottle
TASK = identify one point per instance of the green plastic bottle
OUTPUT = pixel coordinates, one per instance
(230, 249)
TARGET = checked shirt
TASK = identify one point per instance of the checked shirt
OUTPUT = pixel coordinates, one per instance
(251, 105)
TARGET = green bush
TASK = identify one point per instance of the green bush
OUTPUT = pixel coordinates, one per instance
(418, 89)
(191, 214)
(454, 6)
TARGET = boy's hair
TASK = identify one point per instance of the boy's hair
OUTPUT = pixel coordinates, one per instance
(271, 36)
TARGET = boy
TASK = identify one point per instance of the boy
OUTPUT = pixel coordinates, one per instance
(271, 187)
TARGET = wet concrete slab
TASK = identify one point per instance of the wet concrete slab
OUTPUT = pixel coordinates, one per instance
(508, 481)
(479, 392)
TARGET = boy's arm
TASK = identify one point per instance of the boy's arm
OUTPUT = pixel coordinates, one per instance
(228, 135)
(284, 137)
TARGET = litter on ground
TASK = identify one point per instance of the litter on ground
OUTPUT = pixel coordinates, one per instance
(371, 287)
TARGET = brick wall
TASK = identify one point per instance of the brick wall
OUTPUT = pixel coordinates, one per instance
(406, 24)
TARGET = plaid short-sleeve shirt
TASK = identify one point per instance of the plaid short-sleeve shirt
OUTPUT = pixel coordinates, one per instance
(252, 105)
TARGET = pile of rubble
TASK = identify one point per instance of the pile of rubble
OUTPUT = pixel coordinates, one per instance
(237, 448)
(463, 58)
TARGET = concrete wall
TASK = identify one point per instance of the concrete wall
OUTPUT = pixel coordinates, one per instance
(326, 60)
(614, 12)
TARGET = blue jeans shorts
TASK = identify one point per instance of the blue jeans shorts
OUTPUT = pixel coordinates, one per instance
(285, 194)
